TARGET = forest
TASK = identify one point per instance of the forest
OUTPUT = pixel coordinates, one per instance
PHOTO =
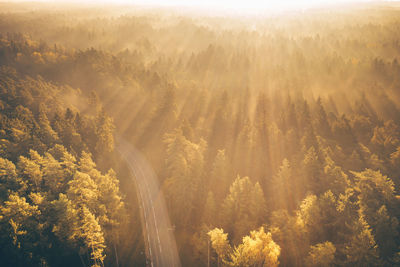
(275, 139)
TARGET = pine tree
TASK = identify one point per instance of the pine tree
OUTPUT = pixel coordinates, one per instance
(64, 219)
(362, 249)
(304, 117)
(9, 180)
(283, 195)
(31, 170)
(258, 206)
(104, 133)
(386, 234)
(322, 254)
(240, 213)
(20, 230)
(322, 122)
(47, 134)
(83, 191)
(335, 179)
(312, 171)
(92, 236)
(210, 210)
(185, 161)
(374, 190)
(53, 175)
(219, 175)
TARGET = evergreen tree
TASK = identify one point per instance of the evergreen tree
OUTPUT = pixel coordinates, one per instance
(362, 249)
(219, 175)
(239, 211)
(91, 234)
(322, 254)
(210, 210)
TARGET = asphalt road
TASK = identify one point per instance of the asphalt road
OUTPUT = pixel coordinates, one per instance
(158, 233)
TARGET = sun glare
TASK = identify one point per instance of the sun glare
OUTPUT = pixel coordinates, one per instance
(237, 5)
(254, 5)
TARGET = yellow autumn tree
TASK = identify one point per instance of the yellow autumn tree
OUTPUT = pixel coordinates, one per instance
(219, 242)
(257, 249)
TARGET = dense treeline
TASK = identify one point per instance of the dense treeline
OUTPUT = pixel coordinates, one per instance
(56, 207)
(276, 140)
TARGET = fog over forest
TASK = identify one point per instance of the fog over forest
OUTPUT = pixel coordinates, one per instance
(163, 135)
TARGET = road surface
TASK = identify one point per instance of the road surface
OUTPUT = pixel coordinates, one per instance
(158, 233)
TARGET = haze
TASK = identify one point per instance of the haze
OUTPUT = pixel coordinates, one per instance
(179, 133)
(236, 5)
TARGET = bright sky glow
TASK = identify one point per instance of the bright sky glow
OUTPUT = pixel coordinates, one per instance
(245, 4)
(237, 5)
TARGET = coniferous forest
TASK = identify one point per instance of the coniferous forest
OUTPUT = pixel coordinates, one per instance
(275, 139)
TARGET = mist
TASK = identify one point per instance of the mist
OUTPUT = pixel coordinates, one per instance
(229, 133)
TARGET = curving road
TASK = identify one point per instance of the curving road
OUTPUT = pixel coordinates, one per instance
(158, 233)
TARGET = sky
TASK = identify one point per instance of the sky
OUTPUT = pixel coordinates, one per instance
(235, 3)
(256, 5)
